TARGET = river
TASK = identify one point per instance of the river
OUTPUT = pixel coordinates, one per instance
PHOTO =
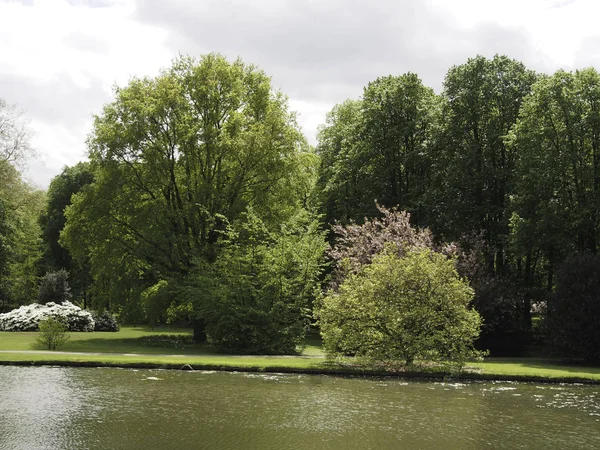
(79, 408)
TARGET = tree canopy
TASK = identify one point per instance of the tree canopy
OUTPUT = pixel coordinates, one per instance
(177, 160)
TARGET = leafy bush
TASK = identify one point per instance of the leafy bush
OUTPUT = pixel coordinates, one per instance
(27, 318)
(54, 287)
(256, 298)
(167, 341)
(105, 321)
(402, 308)
(52, 332)
(574, 311)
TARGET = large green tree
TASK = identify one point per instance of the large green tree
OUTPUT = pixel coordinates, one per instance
(375, 149)
(20, 240)
(176, 160)
(62, 187)
(557, 199)
(474, 168)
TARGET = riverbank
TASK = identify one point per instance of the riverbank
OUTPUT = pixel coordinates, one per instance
(172, 349)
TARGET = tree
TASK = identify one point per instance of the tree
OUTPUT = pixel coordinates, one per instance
(357, 245)
(54, 287)
(408, 308)
(474, 169)
(15, 135)
(574, 311)
(62, 187)
(343, 188)
(20, 244)
(176, 160)
(257, 296)
(375, 149)
(52, 333)
(397, 114)
(52, 221)
(557, 199)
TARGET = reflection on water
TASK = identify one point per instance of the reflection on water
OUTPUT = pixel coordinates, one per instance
(69, 408)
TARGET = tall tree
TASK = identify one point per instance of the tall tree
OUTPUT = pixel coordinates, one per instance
(397, 114)
(20, 240)
(474, 168)
(62, 187)
(557, 199)
(176, 159)
(343, 188)
(374, 149)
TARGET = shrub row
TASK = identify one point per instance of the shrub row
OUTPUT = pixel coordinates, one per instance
(28, 317)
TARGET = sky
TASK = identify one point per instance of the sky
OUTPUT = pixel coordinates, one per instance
(61, 59)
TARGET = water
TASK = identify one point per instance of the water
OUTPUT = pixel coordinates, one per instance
(75, 408)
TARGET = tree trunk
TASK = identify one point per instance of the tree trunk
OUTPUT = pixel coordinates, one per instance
(199, 331)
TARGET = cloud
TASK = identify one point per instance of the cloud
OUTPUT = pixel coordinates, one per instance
(60, 58)
(60, 61)
(322, 52)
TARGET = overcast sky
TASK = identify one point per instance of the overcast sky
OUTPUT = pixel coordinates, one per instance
(59, 59)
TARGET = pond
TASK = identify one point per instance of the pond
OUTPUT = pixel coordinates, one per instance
(77, 408)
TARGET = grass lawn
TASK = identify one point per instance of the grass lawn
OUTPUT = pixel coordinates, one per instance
(132, 340)
(151, 346)
(534, 367)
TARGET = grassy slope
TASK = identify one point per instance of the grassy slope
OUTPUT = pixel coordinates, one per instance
(126, 341)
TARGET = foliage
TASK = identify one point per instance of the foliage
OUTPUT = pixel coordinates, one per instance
(62, 187)
(20, 249)
(180, 341)
(343, 190)
(175, 159)
(54, 287)
(356, 245)
(557, 201)
(27, 318)
(155, 302)
(375, 148)
(52, 333)
(500, 299)
(410, 307)
(473, 166)
(105, 321)
(574, 310)
(256, 297)
(15, 135)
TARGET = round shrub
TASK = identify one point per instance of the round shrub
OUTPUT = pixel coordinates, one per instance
(105, 321)
(28, 317)
(402, 308)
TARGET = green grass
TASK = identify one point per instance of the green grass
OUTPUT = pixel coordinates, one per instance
(159, 347)
(536, 367)
(124, 341)
(128, 340)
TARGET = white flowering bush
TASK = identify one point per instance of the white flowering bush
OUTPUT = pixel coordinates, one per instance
(28, 317)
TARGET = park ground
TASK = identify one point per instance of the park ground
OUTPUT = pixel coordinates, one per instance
(172, 348)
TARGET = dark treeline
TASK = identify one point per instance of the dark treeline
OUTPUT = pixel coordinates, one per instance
(504, 161)
(202, 201)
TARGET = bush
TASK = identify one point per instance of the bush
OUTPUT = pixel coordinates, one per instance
(402, 308)
(105, 321)
(54, 287)
(52, 333)
(574, 311)
(27, 318)
(180, 341)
